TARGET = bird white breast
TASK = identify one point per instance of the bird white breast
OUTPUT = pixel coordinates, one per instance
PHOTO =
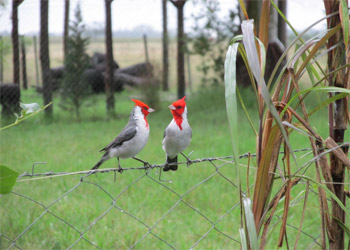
(136, 144)
(177, 140)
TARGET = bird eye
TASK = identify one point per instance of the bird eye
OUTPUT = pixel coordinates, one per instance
(178, 107)
(144, 108)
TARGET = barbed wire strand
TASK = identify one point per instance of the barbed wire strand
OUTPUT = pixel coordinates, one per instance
(181, 199)
(149, 166)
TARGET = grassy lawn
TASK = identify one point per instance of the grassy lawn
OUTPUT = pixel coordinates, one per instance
(67, 145)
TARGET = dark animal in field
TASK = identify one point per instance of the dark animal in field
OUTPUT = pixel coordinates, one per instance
(56, 77)
(97, 61)
(134, 75)
(9, 98)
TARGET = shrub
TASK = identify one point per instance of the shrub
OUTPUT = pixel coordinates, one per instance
(74, 85)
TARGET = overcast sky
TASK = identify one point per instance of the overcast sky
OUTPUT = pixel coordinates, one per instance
(128, 14)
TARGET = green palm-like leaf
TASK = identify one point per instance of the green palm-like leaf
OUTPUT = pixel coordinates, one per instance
(249, 45)
(231, 101)
(325, 103)
(316, 89)
(329, 192)
(253, 237)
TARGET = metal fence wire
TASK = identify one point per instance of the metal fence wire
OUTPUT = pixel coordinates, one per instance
(90, 229)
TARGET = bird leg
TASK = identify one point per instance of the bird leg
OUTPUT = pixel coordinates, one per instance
(145, 163)
(189, 162)
(120, 170)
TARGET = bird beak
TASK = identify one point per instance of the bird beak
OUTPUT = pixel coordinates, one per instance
(150, 110)
(172, 107)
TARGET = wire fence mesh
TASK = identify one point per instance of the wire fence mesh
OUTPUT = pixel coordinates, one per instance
(74, 216)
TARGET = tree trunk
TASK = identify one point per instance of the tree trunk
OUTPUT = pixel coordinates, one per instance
(66, 27)
(109, 59)
(45, 57)
(165, 47)
(36, 63)
(253, 10)
(146, 47)
(1, 61)
(179, 4)
(133, 81)
(282, 27)
(273, 23)
(15, 41)
(338, 122)
(180, 53)
(24, 64)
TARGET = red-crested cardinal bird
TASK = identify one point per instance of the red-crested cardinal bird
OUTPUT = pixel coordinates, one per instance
(133, 137)
(178, 134)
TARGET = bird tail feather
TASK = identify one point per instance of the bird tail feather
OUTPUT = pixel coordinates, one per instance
(98, 164)
(104, 158)
(172, 167)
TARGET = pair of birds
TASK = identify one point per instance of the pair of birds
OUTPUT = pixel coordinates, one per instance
(134, 136)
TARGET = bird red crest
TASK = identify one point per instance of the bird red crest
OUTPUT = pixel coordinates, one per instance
(140, 104)
(144, 108)
(177, 111)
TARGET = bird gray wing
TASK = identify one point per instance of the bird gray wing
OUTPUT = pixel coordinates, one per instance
(165, 131)
(127, 134)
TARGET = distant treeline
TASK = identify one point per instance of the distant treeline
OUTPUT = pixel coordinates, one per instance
(97, 30)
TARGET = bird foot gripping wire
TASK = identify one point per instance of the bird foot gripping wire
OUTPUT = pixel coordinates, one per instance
(189, 162)
(145, 163)
(120, 170)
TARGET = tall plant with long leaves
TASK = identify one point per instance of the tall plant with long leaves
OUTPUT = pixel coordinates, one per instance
(282, 110)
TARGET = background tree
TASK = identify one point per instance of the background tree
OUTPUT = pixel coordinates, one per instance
(338, 116)
(212, 33)
(66, 27)
(24, 63)
(276, 23)
(253, 9)
(109, 59)
(3, 3)
(165, 47)
(210, 37)
(15, 41)
(181, 87)
(45, 56)
(74, 87)
(1, 59)
(282, 27)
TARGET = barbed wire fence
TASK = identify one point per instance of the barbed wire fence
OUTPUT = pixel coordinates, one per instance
(12, 241)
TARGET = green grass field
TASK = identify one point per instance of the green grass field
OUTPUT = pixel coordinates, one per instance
(67, 145)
